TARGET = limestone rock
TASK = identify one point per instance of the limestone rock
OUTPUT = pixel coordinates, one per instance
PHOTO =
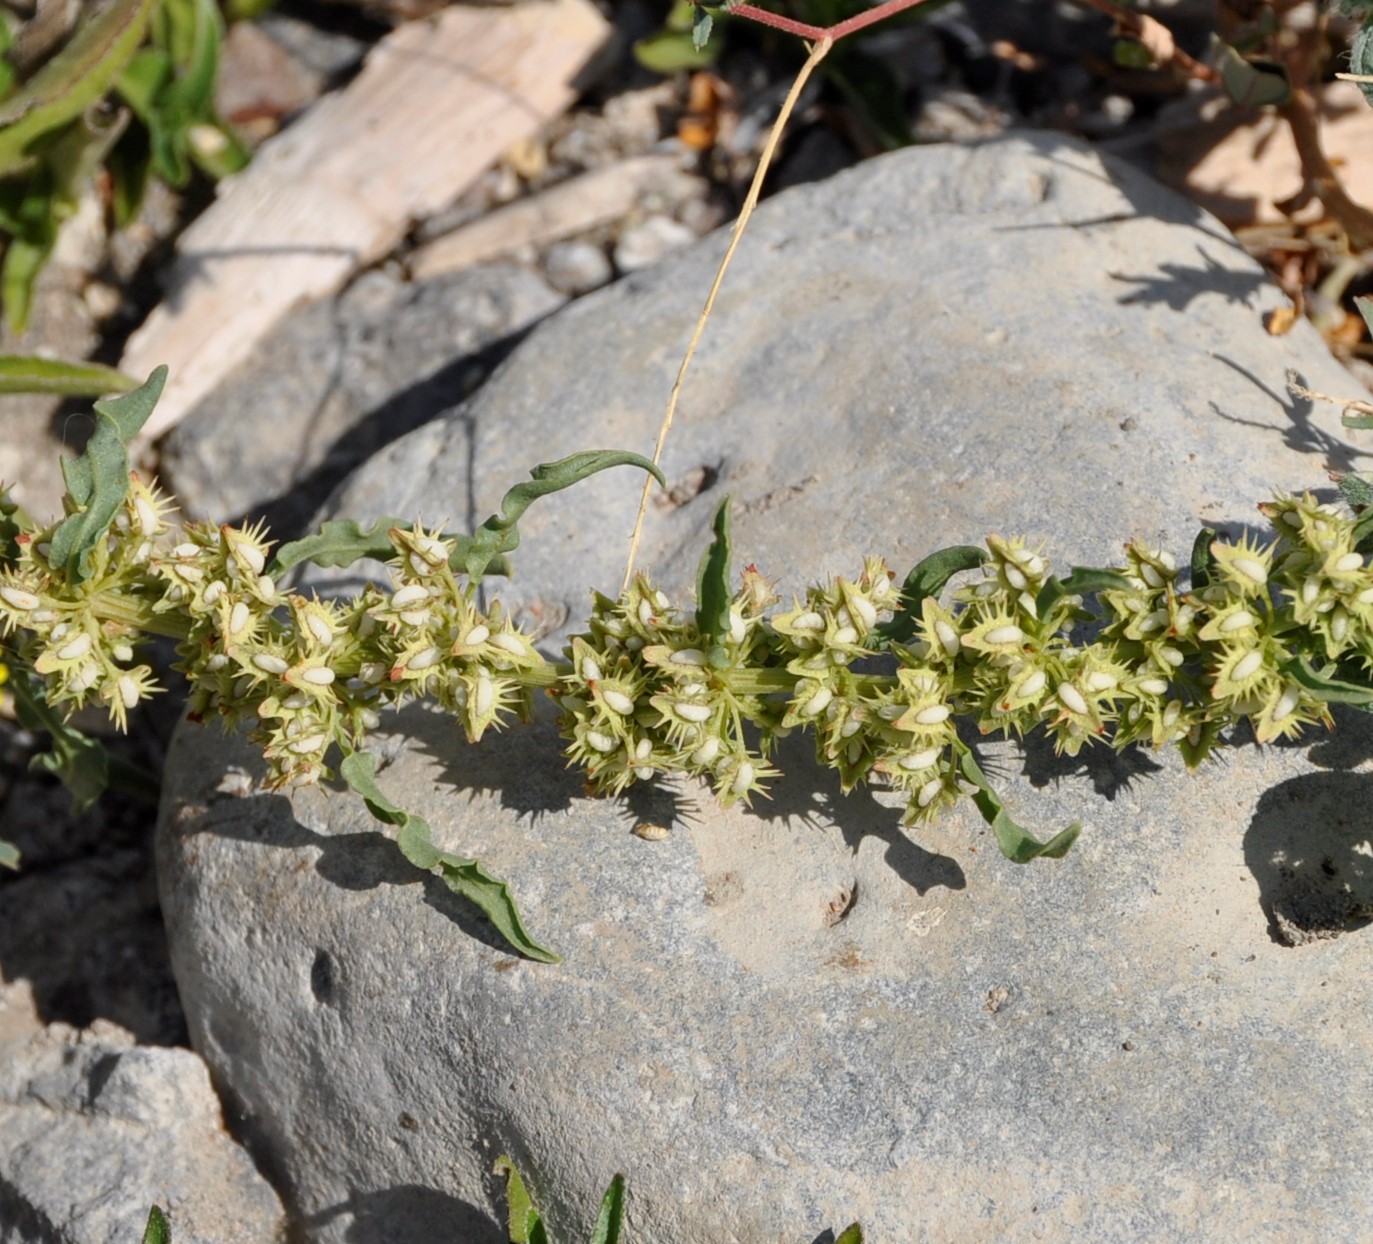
(94, 1130)
(775, 1022)
(339, 378)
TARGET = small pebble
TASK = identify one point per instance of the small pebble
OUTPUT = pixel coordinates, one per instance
(643, 245)
(576, 267)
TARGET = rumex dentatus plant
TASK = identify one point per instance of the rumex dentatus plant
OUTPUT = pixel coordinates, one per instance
(883, 675)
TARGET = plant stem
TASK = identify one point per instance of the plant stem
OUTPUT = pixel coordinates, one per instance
(833, 33)
(1355, 220)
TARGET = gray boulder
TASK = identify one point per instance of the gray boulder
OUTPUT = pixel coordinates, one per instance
(777, 1021)
(94, 1130)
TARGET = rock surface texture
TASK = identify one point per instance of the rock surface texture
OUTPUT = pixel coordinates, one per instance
(777, 1021)
(96, 1130)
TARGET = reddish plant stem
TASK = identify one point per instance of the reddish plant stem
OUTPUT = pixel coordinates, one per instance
(1133, 25)
(834, 33)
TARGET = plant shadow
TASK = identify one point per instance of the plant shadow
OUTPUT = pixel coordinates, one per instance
(408, 1212)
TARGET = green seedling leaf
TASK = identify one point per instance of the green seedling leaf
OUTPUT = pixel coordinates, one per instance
(1324, 685)
(80, 763)
(158, 1230)
(1016, 844)
(611, 1218)
(1356, 490)
(1203, 560)
(929, 578)
(499, 533)
(1251, 83)
(712, 591)
(524, 1222)
(98, 481)
(31, 374)
(72, 80)
(852, 1234)
(466, 878)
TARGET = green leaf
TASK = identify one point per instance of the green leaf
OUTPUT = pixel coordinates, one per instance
(342, 541)
(73, 80)
(525, 1224)
(9, 855)
(701, 23)
(611, 1218)
(1323, 685)
(1130, 54)
(1016, 844)
(31, 374)
(852, 1234)
(1251, 83)
(466, 878)
(928, 578)
(159, 1230)
(1356, 490)
(712, 591)
(1081, 581)
(24, 259)
(670, 51)
(98, 481)
(80, 763)
(499, 534)
(1203, 561)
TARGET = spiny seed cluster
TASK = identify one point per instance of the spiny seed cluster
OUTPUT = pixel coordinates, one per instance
(644, 693)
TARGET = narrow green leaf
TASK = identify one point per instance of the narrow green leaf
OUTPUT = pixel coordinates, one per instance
(31, 374)
(98, 481)
(466, 878)
(611, 1218)
(1363, 532)
(1323, 685)
(1016, 844)
(1251, 83)
(159, 1230)
(1203, 560)
(9, 855)
(522, 1218)
(499, 534)
(852, 1234)
(1080, 581)
(929, 578)
(712, 590)
(24, 260)
(72, 80)
(671, 51)
(80, 763)
(343, 541)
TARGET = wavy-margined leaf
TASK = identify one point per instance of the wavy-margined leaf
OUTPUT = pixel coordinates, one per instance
(72, 80)
(610, 1220)
(343, 541)
(1080, 581)
(928, 578)
(524, 1223)
(22, 373)
(1016, 844)
(158, 1230)
(1356, 490)
(712, 590)
(82, 764)
(466, 878)
(499, 533)
(98, 481)
(1324, 684)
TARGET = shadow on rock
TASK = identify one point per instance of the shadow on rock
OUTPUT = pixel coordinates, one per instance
(410, 1212)
(1310, 847)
